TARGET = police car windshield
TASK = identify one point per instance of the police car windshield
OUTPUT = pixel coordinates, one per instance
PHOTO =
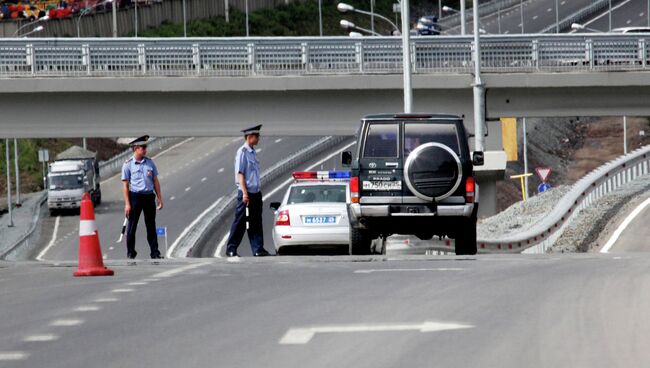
(61, 182)
(317, 194)
(416, 134)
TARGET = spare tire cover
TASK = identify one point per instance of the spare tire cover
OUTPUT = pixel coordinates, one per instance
(433, 171)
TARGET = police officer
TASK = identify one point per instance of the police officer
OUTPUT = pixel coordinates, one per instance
(249, 197)
(140, 188)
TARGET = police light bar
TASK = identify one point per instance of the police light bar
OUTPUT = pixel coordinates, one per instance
(321, 175)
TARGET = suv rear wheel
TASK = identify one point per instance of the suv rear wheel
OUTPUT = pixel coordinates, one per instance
(360, 242)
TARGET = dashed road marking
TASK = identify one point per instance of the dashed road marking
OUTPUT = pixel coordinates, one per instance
(204, 179)
(278, 140)
(66, 322)
(549, 10)
(137, 283)
(188, 189)
(563, 2)
(535, 17)
(178, 270)
(87, 308)
(220, 170)
(408, 270)
(41, 338)
(258, 150)
(641, 14)
(151, 279)
(236, 139)
(122, 290)
(106, 300)
(13, 355)
(172, 198)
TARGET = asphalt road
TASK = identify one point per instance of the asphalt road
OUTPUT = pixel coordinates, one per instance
(274, 192)
(193, 176)
(635, 235)
(487, 311)
(538, 14)
(627, 13)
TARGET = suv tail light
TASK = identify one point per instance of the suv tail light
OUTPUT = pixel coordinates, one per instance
(469, 190)
(354, 189)
(283, 218)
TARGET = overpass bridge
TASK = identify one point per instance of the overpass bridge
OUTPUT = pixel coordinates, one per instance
(305, 86)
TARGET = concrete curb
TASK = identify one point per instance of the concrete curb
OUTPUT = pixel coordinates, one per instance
(199, 232)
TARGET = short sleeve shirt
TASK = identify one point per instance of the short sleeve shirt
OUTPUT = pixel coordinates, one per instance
(247, 164)
(140, 174)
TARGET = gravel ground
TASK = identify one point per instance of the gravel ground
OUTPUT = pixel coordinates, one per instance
(521, 215)
(590, 228)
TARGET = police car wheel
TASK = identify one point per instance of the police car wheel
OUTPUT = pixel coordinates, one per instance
(466, 238)
(360, 242)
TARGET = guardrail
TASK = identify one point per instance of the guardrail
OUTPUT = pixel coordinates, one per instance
(601, 181)
(579, 16)
(228, 57)
(114, 164)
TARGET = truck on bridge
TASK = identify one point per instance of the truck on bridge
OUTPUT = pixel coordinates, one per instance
(74, 172)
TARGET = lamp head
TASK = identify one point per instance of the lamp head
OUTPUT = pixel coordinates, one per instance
(577, 26)
(344, 8)
(345, 24)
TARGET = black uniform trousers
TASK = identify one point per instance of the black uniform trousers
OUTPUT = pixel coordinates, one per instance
(255, 232)
(142, 202)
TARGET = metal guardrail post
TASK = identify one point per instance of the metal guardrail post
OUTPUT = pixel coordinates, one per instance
(251, 58)
(304, 50)
(414, 62)
(643, 52)
(535, 55)
(142, 58)
(358, 54)
(589, 53)
(29, 53)
(85, 57)
(196, 58)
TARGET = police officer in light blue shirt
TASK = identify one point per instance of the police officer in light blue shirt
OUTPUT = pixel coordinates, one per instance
(140, 190)
(249, 197)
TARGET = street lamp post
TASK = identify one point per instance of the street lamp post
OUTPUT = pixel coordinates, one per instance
(345, 24)
(478, 89)
(372, 15)
(35, 30)
(557, 17)
(463, 24)
(17, 172)
(246, 9)
(610, 15)
(11, 216)
(136, 20)
(580, 27)
(43, 19)
(320, 18)
(114, 9)
(406, 56)
(87, 11)
(521, 14)
(185, 19)
(344, 8)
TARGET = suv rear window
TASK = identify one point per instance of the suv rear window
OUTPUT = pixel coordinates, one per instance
(381, 140)
(317, 194)
(416, 134)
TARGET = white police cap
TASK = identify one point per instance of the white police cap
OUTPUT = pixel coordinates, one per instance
(141, 141)
(252, 130)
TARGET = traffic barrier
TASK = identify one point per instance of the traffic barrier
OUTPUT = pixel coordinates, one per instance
(90, 253)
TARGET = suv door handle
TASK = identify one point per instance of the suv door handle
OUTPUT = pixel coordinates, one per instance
(392, 164)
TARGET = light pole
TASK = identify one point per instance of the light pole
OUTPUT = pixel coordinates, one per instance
(406, 56)
(11, 216)
(462, 18)
(478, 88)
(320, 18)
(136, 20)
(35, 30)
(43, 19)
(17, 172)
(521, 14)
(345, 24)
(87, 11)
(557, 17)
(610, 15)
(185, 19)
(463, 24)
(114, 9)
(246, 9)
(344, 8)
(372, 15)
(499, 15)
(625, 134)
(525, 157)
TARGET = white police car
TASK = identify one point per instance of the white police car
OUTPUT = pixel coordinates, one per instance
(313, 211)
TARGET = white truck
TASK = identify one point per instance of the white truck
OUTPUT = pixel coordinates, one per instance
(74, 172)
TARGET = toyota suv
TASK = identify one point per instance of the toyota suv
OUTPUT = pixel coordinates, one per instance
(413, 175)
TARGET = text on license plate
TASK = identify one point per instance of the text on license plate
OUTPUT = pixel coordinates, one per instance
(319, 219)
(382, 185)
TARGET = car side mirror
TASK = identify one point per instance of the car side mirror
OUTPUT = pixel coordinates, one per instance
(275, 205)
(346, 158)
(478, 159)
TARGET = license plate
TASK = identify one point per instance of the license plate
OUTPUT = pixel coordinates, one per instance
(319, 219)
(382, 185)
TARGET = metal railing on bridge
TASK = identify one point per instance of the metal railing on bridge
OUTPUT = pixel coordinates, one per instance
(214, 57)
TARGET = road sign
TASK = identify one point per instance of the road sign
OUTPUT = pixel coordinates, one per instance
(43, 155)
(543, 173)
(543, 187)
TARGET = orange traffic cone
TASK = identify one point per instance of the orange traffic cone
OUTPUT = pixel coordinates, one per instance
(90, 254)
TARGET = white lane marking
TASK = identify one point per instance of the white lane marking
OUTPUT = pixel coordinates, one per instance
(300, 336)
(236, 139)
(222, 243)
(176, 271)
(122, 290)
(535, 17)
(624, 225)
(563, 2)
(190, 226)
(106, 300)
(13, 355)
(66, 322)
(87, 308)
(188, 189)
(137, 283)
(41, 338)
(603, 14)
(549, 10)
(258, 150)
(193, 160)
(641, 14)
(111, 248)
(629, 21)
(204, 179)
(172, 198)
(173, 147)
(151, 279)
(220, 170)
(52, 240)
(408, 270)
(278, 140)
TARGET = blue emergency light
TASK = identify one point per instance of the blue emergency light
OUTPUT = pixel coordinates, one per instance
(321, 175)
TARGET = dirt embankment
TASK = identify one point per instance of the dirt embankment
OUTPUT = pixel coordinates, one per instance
(572, 147)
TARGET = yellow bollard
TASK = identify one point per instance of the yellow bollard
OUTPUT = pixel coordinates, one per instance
(521, 180)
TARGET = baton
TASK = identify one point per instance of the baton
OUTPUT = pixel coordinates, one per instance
(126, 221)
(247, 224)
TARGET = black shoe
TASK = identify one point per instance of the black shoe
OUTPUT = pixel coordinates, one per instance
(262, 253)
(131, 255)
(157, 256)
(232, 254)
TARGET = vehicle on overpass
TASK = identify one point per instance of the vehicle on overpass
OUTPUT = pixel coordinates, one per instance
(313, 212)
(631, 30)
(74, 172)
(413, 175)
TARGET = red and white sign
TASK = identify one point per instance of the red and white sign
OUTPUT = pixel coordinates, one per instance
(543, 173)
